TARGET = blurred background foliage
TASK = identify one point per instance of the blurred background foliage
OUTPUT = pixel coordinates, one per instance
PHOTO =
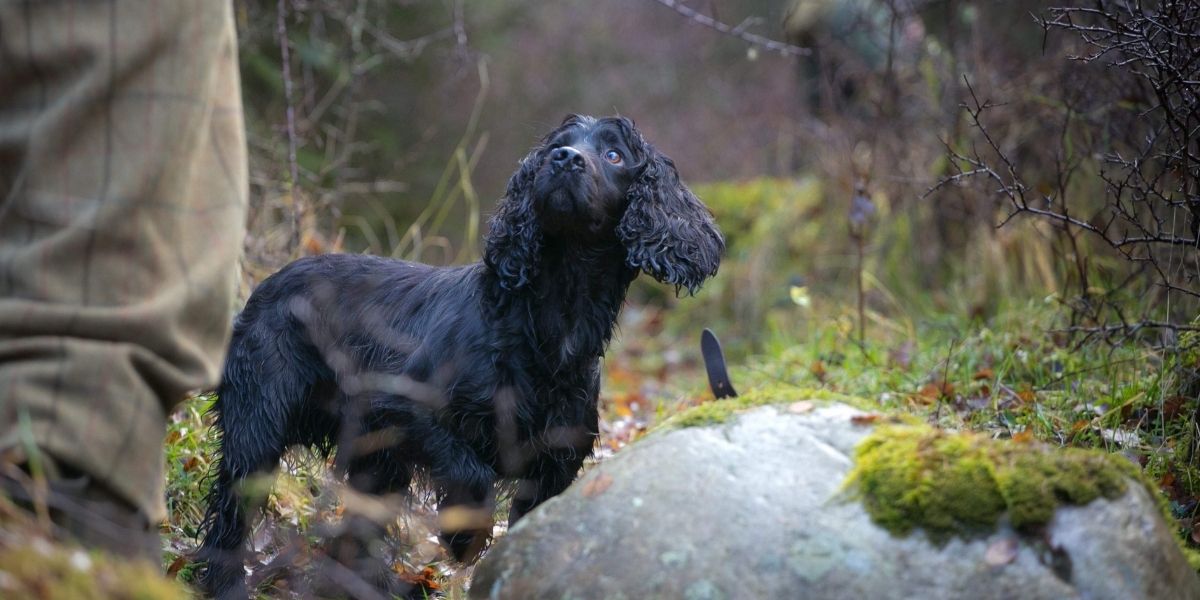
(409, 115)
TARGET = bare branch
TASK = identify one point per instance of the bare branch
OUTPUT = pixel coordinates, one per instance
(293, 168)
(1142, 144)
(738, 31)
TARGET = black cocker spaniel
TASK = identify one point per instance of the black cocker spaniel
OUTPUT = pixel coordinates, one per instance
(462, 376)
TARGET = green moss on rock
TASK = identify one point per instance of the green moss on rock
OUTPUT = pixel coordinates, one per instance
(915, 476)
(720, 411)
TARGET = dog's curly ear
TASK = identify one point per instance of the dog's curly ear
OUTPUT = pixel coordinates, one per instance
(514, 240)
(669, 234)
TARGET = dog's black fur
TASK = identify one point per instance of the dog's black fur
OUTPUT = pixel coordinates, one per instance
(464, 375)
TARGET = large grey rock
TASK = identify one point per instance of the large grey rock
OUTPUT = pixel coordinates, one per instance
(754, 509)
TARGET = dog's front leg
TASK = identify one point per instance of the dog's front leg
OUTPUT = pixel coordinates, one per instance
(552, 469)
(465, 487)
(465, 518)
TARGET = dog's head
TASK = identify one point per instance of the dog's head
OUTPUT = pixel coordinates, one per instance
(591, 181)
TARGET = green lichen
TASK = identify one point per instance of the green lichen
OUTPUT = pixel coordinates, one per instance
(720, 411)
(948, 484)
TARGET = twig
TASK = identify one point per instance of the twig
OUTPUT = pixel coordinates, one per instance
(460, 30)
(937, 414)
(739, 31)
(294, 171)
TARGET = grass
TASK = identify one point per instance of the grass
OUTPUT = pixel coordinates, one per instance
(1012, 377)
(1006, 376)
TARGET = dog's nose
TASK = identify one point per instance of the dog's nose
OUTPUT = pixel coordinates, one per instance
(566, 158)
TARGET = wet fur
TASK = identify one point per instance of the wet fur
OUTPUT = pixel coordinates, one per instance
(465, 376)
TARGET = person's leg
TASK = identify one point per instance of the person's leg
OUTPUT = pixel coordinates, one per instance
(122, 203)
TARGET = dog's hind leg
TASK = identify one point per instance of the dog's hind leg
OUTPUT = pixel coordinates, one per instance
(253, 439)
(225, 534)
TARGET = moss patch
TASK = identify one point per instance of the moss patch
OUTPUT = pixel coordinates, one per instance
(915, 476)
(41, 569)
(720, 411)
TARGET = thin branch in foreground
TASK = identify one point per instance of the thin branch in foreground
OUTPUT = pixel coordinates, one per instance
(739, 31)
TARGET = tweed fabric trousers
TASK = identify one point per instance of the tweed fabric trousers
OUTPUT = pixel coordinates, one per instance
(122, 212)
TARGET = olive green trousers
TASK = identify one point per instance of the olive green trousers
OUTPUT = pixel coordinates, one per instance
(122, 214)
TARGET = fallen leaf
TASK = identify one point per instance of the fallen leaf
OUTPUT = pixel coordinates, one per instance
(596, 485)
(862, 420)
(801, 407)
(1173, 406)
(176, 566)
(984, 373)
(174, 436)
(424, 579)
(1026, 395)
(1023, 437)
(931, 392)
(818, 370)
(1167, 480)
(191, 463)
(927, 394)
(1001, 552)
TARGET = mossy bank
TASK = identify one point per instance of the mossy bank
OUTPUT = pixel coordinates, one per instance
(720, 411)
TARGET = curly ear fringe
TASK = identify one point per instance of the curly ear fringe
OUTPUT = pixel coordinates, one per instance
(514, 241)
(669, 234)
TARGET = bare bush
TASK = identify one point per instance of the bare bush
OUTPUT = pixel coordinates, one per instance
(1120, 161)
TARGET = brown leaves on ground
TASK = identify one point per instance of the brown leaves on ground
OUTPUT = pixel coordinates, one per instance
(864, 420)
(426, 578)
(984, 374)
(1026, 394)
(818, 370)
(932, 392)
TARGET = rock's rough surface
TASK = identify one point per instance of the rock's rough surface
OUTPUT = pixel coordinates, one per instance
(755, 508)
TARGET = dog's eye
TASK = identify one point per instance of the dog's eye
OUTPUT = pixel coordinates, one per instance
(613, 157)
